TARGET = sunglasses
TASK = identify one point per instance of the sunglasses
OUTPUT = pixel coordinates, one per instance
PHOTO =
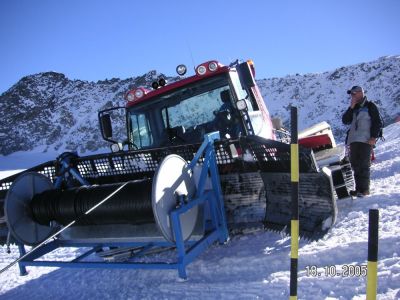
(353, 93)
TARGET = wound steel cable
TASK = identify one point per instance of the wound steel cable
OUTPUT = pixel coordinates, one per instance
(62, 229)
(131, 206)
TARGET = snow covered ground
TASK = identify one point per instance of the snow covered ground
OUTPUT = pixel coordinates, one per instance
(28, 159)
(252, 266)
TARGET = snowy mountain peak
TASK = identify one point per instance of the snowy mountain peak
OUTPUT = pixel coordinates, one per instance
(56, 113)
(50, 111)
(322, 96)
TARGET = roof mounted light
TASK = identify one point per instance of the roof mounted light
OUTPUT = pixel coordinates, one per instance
(213, 66)
(139, 93)
(162, 81)
(159, 83)
(201, 70)
(181, 70)
(130, 96)
(208, 67)
(135, 94)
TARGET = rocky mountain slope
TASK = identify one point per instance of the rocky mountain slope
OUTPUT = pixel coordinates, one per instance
(51, 112)
(322, 97)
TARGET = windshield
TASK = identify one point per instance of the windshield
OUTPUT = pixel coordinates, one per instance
(185, 115)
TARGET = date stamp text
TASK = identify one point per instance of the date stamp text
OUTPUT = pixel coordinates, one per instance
(337, 271)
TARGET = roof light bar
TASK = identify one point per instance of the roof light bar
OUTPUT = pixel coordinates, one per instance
(135, 94)
(207, 67)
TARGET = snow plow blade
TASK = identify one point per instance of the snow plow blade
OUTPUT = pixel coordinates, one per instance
(255, 181)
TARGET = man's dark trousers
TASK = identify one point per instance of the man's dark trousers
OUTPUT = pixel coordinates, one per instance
(360, 159)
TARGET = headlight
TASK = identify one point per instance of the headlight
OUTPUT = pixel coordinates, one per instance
(139, 93)
(181, 70)
(162, 81)
(201, 70)
(116, 147)
(213, 66)
(241, 105)
(155, 85)
(135, 94)
(130, 96)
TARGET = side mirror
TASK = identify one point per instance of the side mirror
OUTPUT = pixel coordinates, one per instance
(105, 126)
(105, 123)
(245, 76)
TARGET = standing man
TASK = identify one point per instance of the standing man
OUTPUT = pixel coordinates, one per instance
(365, 125)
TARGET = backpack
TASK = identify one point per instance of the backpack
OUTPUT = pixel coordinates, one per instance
(380, 135)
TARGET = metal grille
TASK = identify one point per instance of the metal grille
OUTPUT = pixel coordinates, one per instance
(116, 167)
(139, 164)
(48, 169)
(273, 156)
(257, 155)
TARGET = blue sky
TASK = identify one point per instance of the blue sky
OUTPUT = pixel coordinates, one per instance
(95, 40)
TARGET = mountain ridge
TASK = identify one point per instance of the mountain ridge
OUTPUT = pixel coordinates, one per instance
(50, 110)
(322, 96)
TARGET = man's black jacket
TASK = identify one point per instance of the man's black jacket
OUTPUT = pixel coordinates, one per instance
(376, 122)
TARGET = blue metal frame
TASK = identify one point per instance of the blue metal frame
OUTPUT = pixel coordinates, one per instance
(66, 168)
(187, 251)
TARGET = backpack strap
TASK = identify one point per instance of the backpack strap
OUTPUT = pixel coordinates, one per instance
(372, 106)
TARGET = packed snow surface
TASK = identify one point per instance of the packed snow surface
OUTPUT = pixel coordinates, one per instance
(250, 266)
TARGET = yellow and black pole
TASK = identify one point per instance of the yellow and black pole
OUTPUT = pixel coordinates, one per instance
(372, 266)
(294, 225)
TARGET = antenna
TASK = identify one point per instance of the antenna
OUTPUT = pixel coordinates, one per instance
(191, 54)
